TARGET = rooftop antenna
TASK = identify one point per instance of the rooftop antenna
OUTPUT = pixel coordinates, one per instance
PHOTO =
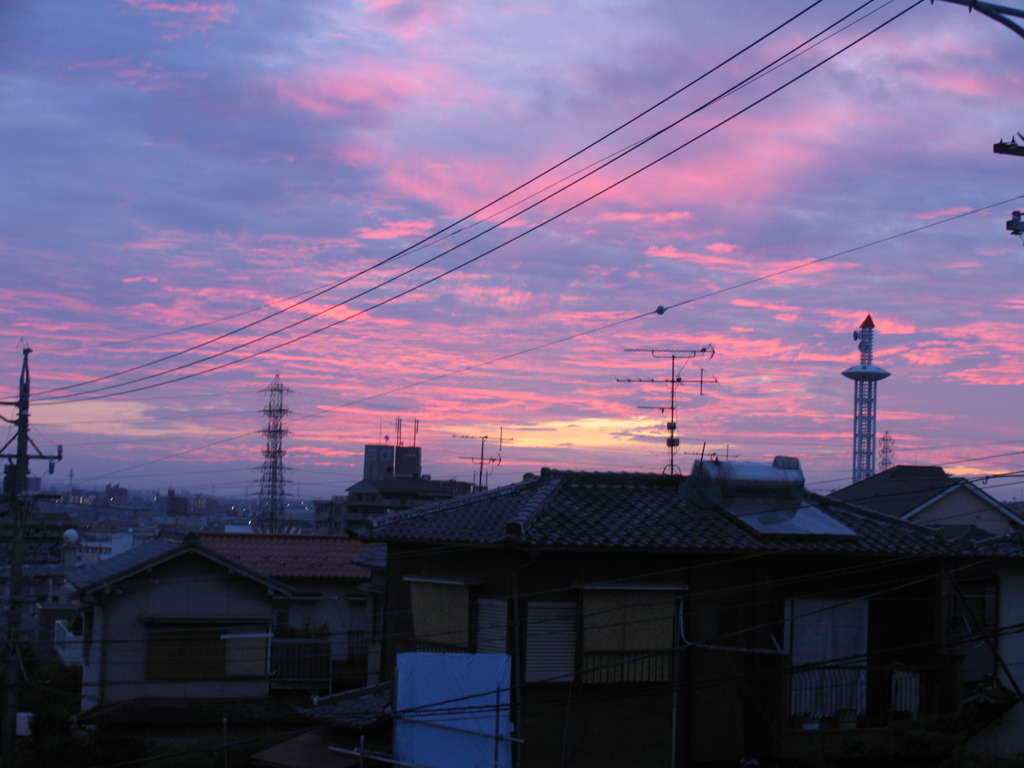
(865, 395)
(482, 462)
(673, 381)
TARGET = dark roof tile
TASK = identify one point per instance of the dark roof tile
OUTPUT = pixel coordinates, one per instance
(631, 511)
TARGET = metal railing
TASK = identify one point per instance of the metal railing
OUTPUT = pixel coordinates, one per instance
(627, 667)
(863, 696)
(300, 660)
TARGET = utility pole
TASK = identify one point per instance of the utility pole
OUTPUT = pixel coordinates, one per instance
(1004, 15)
(15, 493)
(482, 462)
(673, 381)
(995, 12)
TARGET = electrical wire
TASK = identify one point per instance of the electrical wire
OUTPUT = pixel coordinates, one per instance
(92, 394)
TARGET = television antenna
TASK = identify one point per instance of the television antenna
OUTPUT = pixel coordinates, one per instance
(481, 462)
(674, 381)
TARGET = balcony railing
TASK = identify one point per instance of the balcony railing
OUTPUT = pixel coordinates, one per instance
(300, 661)
(864, 696)
(627, 667)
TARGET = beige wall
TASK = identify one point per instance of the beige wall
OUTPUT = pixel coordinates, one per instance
(963, 507)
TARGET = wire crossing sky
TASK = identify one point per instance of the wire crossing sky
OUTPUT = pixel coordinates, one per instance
(282, 188)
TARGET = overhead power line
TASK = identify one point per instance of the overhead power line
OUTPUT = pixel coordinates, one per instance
(614, 158)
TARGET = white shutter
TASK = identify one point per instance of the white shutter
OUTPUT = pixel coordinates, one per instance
(550, 641)
(491, 626)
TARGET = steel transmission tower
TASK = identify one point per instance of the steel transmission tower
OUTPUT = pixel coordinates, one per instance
(865, 394)
(886, 452)
(272, 480)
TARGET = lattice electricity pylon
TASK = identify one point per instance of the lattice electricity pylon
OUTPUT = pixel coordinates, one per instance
(674, 380)
(886, 452)
(272, 478)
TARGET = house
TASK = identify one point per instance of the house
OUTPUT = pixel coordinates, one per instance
(218, 618)
(331, 599)
(978, 603)
(658, 620)
(929, 496)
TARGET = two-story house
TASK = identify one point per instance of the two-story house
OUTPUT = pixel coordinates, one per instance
(657, 620)
(978, 604)
(219, 620)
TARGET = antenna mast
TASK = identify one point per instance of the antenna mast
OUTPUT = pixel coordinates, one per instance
(482, 462)
(865, 396)
(674, 380)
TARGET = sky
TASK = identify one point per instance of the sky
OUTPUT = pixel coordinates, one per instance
(480, 218)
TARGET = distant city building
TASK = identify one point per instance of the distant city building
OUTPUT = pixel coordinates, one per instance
(392, 480)
(115, 496)
(176, 505)
(386, 461)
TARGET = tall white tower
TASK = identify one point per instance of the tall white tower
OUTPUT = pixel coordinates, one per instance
(865, 394)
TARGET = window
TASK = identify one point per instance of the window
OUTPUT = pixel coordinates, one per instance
(628, 635)
(828, 642)
(440, 615)
(971, 618)
(205, 653)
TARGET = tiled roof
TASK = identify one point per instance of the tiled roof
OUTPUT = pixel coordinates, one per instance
(292, 556)
(114, 568)
(105, 573)
(899, 490)
(632, 511)
(413, 485)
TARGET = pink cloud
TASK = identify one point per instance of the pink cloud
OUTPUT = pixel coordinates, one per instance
(941, 214)
(722, 247)
(390, 230)
(140, 279)
(157, 241)
(651, 218)
(411, 19)
(702, 259)
(206, 13)
(365, 85)
(99, 64)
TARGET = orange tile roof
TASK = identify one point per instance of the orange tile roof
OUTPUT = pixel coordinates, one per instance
(285, 556)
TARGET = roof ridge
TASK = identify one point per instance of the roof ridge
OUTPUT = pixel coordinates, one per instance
(441, 506)
(529, 511)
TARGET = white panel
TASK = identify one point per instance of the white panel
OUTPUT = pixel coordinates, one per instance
(550, 641)
(491, 626)
(452, 710)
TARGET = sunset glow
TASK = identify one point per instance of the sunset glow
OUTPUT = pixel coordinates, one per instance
(202, 195)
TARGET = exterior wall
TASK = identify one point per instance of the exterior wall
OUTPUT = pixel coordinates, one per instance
(1006, 736)
(338, 610)
(963, 507)
(186, 592)
(727, 697)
